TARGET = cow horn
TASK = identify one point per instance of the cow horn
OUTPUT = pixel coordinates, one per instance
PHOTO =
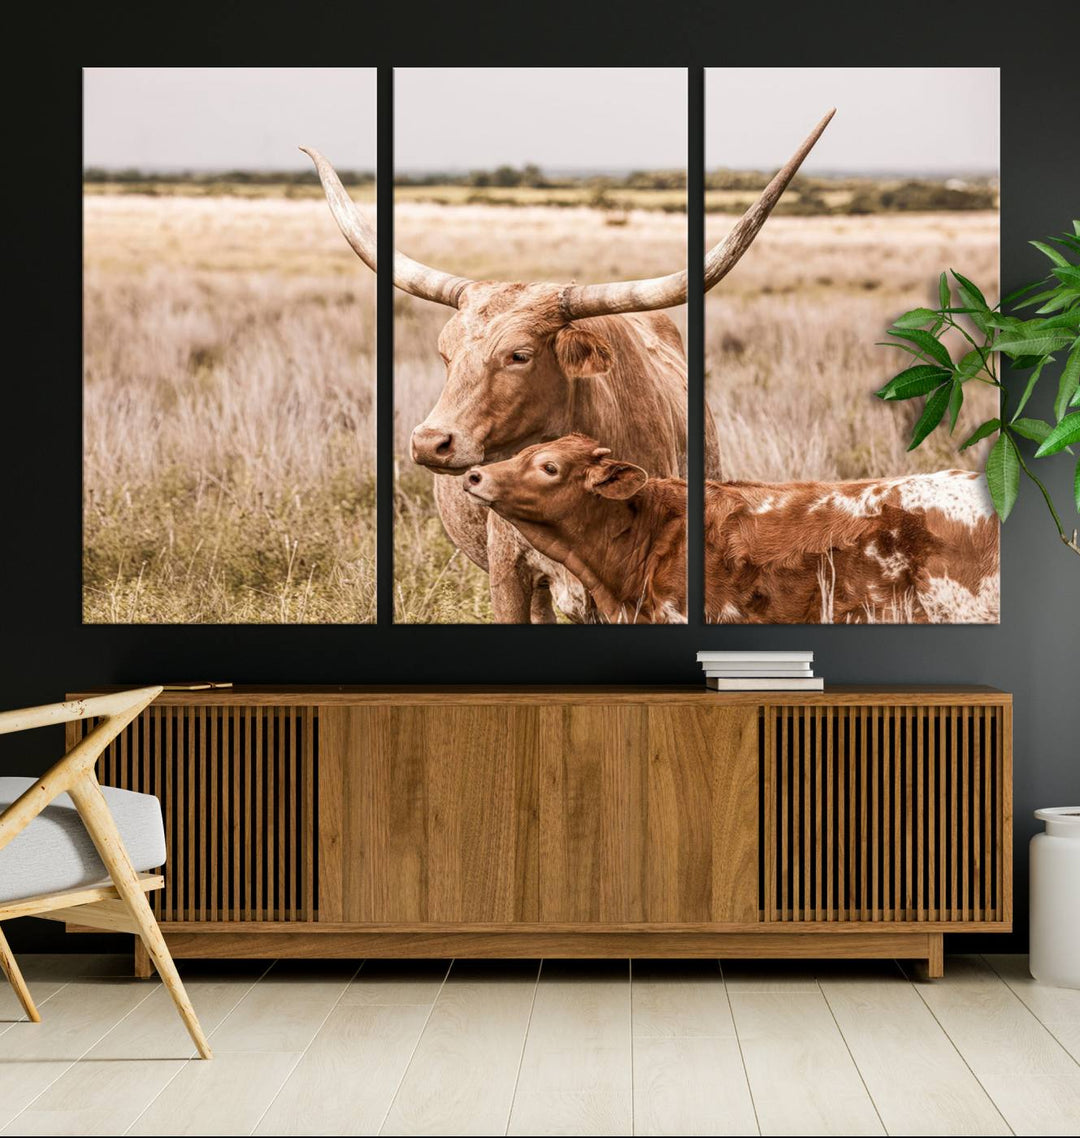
(666, 292)
(722, 258)
(409, 275)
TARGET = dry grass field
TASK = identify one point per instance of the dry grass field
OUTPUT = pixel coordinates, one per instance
(790, 340)
(229, 383)
(228, 429)
(791, 349)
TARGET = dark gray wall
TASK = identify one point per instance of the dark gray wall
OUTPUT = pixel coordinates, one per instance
(44, 650)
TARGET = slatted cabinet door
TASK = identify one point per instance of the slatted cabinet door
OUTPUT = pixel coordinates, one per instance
(238, 796)
(435, 815)
(647, 814)
(887, 813)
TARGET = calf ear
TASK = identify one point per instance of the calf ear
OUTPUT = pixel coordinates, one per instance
(616, 479)
(582, 353)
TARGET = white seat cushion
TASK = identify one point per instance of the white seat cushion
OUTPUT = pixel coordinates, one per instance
(55, 852)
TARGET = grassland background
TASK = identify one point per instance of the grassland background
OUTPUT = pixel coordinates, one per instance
(791, 343)
(229, 359)
(229, 381)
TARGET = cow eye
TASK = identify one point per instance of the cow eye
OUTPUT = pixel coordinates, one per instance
(520, 357)
(550, 468)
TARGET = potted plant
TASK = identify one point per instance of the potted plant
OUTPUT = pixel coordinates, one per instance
(1045, 344)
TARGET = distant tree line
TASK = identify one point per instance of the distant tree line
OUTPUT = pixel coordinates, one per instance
(859, 195)
(807, 195)
(132, 174)
(921, 196)
(531, 176)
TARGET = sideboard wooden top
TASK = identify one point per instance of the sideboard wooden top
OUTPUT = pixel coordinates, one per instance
(315, 694)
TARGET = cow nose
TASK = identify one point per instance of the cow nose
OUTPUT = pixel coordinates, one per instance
(431, 442)
(474, 477)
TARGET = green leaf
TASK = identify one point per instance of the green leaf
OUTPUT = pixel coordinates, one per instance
(969, 366)
(956, 401)
(1050, 252)
(944, 293)
(1046, 294)
(916, 318)
(1034, 429)
(1032, 343)
(919, 380)
(932, 414)
(913, 351)
(971, 296)
(1068, 385)
(928, 344)
(980, 433)
(1022, 363)
(1022, 291)
(1068, 274)
(1003, 474)
(1062, 299)
(1032, 380)
(1064, 434)
(1065, 321)
(1076, 227)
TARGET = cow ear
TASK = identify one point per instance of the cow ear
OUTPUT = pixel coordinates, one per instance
(616, 479)
(582, 353)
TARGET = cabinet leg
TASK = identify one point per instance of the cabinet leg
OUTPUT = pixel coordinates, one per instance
(143, 970)
(935, 963)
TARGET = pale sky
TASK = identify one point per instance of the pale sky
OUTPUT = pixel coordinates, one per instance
(896, 119)
(213, 118)
(901, 119)
(450, 118)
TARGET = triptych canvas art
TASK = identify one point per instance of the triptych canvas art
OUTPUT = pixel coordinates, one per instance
(541, 409)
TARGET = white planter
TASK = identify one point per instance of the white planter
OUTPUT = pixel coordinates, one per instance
(1055, 898)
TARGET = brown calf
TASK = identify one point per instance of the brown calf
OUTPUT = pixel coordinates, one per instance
(921, 549)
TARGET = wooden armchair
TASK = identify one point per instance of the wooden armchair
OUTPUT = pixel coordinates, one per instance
(55, 873)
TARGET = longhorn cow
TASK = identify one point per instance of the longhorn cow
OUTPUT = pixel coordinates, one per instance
(527, 362)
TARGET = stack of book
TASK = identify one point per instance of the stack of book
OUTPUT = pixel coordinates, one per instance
(760, 671)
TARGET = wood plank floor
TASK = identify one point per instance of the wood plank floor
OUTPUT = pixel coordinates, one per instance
(554, 1047)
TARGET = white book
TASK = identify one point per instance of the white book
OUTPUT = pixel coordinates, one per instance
(758, 673)
(761, 668)
(783, 684)
(755, 657)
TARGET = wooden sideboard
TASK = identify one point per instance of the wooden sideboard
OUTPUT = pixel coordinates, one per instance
(576, 821)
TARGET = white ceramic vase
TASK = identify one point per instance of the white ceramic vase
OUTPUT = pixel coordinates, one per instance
(1055, 898)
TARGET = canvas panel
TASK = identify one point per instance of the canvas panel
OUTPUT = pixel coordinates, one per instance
(847, 524)
(526, 180)
(229, 349)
